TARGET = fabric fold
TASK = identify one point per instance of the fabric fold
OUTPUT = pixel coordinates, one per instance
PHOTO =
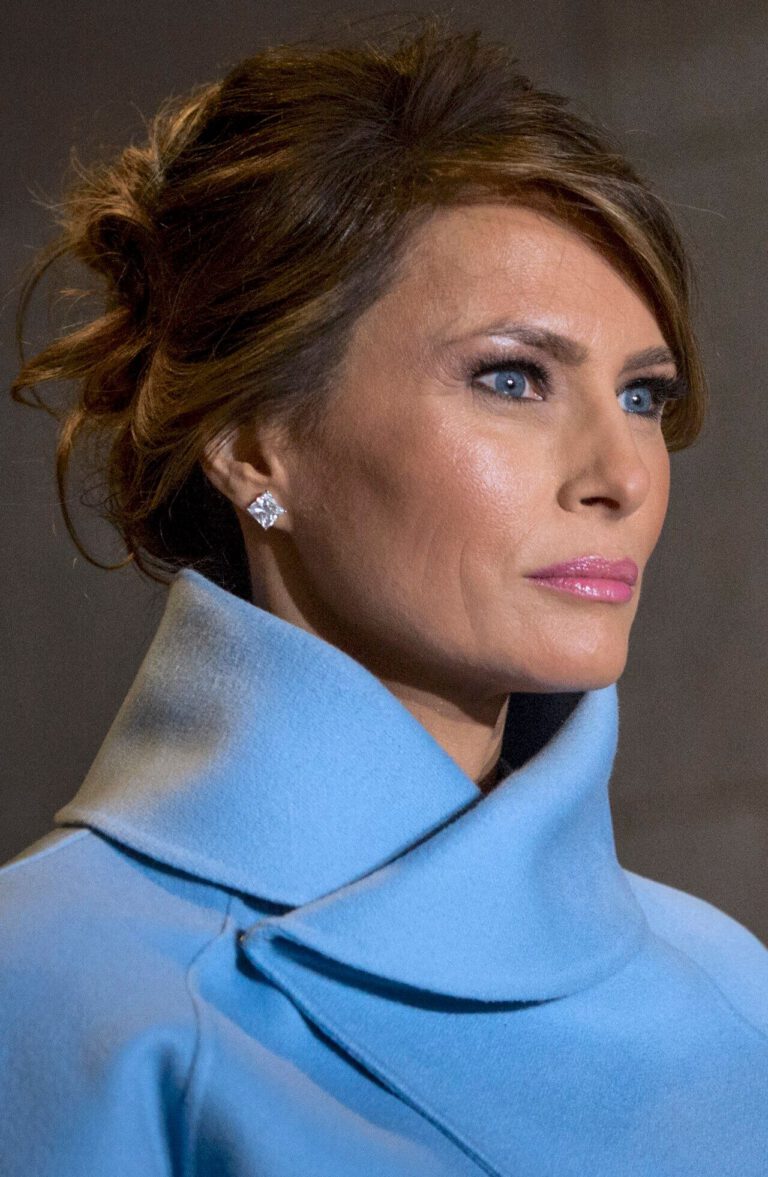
(253, 753)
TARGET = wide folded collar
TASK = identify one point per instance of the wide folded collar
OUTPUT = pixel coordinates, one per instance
(256, 755)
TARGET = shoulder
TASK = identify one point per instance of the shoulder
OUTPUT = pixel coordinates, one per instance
(84, 920)
(76, 891)
(96, 948)
(733, 957)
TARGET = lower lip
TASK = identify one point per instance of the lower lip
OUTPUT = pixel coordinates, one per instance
(592, 587)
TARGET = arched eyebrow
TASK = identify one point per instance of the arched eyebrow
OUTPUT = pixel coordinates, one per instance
(564, 349)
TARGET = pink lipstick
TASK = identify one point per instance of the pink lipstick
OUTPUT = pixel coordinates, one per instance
(593, 577)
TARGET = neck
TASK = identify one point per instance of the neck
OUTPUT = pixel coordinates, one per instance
(471, 738)
(468, 726)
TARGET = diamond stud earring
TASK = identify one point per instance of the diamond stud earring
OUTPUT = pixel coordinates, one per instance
(265, 509)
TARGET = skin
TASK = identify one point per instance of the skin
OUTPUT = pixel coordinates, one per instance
(410, 529)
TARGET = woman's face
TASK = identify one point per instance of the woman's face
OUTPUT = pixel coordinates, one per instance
(436, 492)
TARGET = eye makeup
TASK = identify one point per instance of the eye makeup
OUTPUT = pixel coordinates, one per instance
(662, 388)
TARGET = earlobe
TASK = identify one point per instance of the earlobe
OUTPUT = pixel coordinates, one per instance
(265, 509)
(238, 477)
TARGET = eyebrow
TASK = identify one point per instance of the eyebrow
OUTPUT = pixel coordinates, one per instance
(562, 348)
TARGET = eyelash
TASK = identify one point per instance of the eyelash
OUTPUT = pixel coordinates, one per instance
(664, 388)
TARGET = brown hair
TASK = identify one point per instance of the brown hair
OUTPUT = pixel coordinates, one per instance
(238, 244)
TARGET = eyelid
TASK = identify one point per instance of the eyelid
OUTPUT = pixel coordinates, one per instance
(490, 361)
(663, 388)
(482, 365)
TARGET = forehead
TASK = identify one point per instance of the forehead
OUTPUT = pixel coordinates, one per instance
(476, 263)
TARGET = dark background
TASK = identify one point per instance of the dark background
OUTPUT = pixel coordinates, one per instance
(683, 86)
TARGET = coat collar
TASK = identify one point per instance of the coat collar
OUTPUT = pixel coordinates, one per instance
(256, 755)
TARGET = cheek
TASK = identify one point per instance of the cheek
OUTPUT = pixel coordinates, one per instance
(454, 510)
(360, 502)
(497, 491)
(415, 508)
(660, 488)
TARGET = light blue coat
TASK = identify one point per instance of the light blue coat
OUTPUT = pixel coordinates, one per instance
(279, 933)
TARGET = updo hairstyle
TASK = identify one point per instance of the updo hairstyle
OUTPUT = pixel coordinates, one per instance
(235, 246)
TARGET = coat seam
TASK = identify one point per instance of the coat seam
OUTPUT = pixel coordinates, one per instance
(187, 1095)
(724, 999)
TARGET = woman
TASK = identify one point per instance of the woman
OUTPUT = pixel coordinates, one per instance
(393, 355)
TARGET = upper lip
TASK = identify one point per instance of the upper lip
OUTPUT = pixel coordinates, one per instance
(624, 569)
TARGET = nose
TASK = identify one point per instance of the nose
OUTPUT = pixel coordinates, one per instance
(603, 459)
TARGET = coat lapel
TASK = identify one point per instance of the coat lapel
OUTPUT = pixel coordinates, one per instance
(519, 897)
(421, 918)
(441, 971)
(256, 755)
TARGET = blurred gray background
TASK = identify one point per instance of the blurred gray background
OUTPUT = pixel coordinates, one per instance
(683, 86)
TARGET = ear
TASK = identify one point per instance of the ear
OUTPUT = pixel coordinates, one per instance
(243, 463)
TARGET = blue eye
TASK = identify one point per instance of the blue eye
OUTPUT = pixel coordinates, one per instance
(658, 390)
(636, 391)
(510, 382)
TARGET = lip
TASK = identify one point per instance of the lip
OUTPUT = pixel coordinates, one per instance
(586, 567)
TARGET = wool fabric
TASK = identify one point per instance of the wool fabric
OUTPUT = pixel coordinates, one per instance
(278, 932)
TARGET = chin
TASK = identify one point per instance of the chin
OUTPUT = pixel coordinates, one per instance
(585, 678)
(571, 672)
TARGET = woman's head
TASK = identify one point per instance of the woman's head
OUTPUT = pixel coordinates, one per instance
(450, 468)
(285, 260)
